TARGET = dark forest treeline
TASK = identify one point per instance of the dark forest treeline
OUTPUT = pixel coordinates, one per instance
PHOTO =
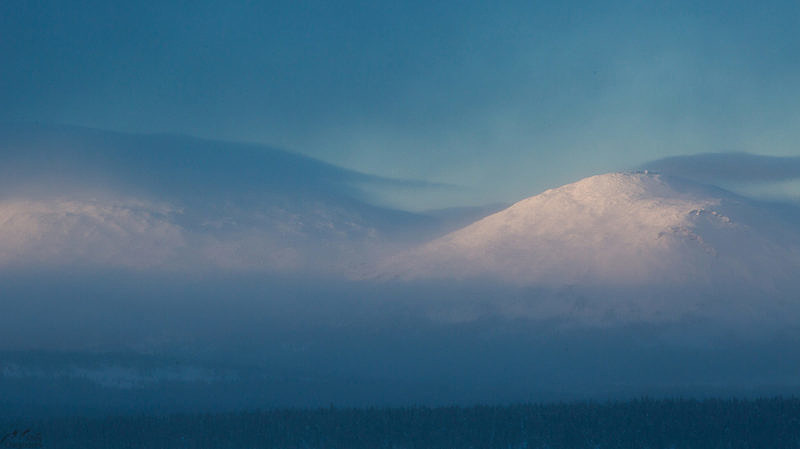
(706, 424)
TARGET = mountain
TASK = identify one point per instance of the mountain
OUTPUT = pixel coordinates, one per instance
(71, 195)
(619, 229)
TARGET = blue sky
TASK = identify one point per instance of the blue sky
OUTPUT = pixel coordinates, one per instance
(503, 98)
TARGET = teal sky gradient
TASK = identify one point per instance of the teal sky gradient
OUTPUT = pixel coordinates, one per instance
(503, 98)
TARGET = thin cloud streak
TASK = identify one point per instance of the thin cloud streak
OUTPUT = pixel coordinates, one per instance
(736, 168)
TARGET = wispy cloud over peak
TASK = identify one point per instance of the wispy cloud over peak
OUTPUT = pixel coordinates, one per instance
(729, 168)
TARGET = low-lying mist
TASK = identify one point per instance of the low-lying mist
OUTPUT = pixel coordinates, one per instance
(248, 341)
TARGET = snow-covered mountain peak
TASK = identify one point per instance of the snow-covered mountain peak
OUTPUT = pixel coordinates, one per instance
(617, 188)
(620, 229)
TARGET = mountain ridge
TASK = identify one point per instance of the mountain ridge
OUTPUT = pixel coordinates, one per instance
(619, 228)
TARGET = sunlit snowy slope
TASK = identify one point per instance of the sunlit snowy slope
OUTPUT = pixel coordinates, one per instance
(618, 229)
(79, 196)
